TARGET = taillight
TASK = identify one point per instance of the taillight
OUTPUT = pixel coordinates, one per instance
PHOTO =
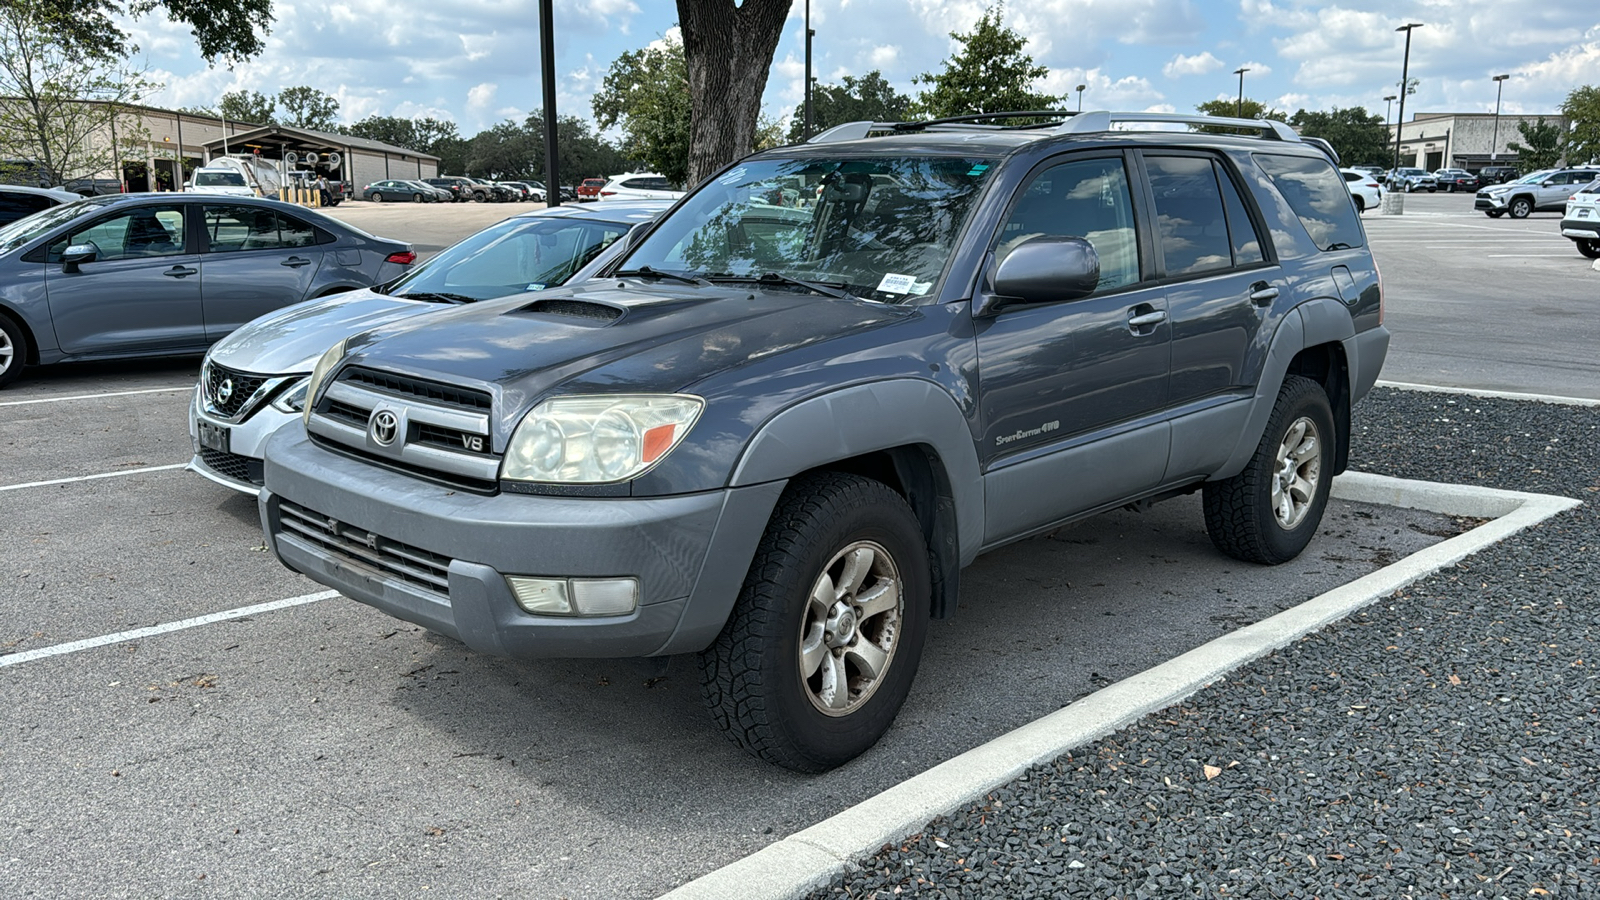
(608, 193)
(403, 257)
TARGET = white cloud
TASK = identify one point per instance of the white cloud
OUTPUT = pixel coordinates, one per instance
(884, 56)
(1199, 64)
(480, 96)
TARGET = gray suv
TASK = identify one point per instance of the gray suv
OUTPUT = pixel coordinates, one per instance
(1545, 191)
(775, 429)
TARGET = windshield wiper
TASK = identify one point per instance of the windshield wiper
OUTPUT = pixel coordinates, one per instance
(647, 272)
(827, 289)
(438, 297)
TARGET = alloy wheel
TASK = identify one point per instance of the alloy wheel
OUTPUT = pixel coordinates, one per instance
(850, 629)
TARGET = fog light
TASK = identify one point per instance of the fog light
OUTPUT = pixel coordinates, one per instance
(541, 596)
(575, 596)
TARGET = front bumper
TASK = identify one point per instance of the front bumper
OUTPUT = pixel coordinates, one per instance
(238, 466)
(1490, 201)
(1581, 228)
(689, 552)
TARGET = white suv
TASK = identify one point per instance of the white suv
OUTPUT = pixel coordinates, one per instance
(639, 186)
(1581, 221)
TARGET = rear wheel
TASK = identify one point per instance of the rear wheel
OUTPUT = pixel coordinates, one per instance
(1269, 512)
(823, 642)
(13, 350)
(1589, 247)
(1520, 208)
(416, 198)
(1361, 205)
(377, 197)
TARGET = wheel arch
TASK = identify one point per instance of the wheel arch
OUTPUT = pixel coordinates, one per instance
(30, 349)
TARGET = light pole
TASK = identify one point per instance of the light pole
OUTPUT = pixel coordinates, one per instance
(1494, 142)
(1081, 88)
(1387, 109)
(547, 69)
(806, 134)
(1240, 73)
(1405, 84)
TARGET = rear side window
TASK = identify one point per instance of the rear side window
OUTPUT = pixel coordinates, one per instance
(1241, 231)
(1189, 216)
(1318, 196)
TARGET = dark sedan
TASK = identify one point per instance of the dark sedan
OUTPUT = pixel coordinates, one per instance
(397, 191)
(1453, 180)
(168, 274)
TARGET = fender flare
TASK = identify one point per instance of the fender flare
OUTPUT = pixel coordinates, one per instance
(867, 418)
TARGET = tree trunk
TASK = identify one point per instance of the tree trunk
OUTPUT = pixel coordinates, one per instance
(729, 51)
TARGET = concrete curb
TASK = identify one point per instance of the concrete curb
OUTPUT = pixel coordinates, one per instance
(1492, 395)
(809, 858)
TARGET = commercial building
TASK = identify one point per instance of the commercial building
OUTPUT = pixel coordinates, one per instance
(1463, 140)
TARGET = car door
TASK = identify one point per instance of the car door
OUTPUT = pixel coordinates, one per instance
(256, 260)
(1071, 392)
(140, 293)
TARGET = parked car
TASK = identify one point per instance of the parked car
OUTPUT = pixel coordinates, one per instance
(92, 187)
(1410, 180)
(774, 435)
(460, 189)
(533, 189)
(168, 274)
(1497, 175)
(226, 180)
(265, 363)
(640, 186)
(396, 190)
(1543, 191)
(589, 189)
(487, 191)
(27, 173)
(1581, 219)
(1452, 180)
(1364, 189)
(18, 201)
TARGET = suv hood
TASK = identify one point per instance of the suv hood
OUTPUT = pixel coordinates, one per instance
(610, 336)
(291, 339)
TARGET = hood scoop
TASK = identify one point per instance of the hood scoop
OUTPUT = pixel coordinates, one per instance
(596, 313)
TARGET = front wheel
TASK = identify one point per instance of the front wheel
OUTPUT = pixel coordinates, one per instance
(13, 350)
(416, 198)
(1520, 208)
(1494, 213)
(1269, 512)
(823, 642)
(1587, 246)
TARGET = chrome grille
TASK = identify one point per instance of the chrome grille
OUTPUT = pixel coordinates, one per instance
(245, 392)
(404, 386)
(363, 549)
(232, 465)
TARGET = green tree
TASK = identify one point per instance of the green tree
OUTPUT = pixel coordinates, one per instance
(252, 107)
(990, 73)
(502, 152)
(1253, 109)
(868, 98)
(1582, 109)
(1543, 148)
(56, 98)
(224, 30)
(647, 94)
(580, 150)
(393, 130)
(1359, 139)
(307, 107)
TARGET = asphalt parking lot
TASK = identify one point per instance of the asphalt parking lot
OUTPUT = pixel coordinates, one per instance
(321, 748)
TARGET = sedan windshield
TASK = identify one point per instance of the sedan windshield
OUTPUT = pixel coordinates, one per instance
(882, 228)
(517, 255)
(26, 229)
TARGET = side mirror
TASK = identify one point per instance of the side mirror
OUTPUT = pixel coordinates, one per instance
(1043, 269)
(77, 254)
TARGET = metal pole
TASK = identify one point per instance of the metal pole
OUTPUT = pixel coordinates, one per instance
(1080, 90)
(805, 134)
(179, 174)
(1494, 142)
(547, 64)
(1405, 82)
(1240, 73)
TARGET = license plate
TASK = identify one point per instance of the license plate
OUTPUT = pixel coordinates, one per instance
(214, 437)
(1583, 214)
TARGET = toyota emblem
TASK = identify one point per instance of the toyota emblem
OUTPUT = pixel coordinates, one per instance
(225, 390)
(384, 425)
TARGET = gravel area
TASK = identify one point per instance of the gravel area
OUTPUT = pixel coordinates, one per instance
(1443, 743)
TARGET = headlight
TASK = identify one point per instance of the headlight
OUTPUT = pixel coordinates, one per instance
(293, 400)
(318, 373)
(598, 438)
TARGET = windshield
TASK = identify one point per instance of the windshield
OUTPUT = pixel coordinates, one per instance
(218, 179)
(1533, 178)
(879, 227)
(511, 257)
(26, 229)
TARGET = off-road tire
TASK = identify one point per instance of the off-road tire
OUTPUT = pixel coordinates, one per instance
(1520, 207)
(1239, 512)
(751, 676)
(13, 350)
(1589, 247)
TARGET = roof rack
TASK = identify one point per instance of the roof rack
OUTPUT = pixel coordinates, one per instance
(854, 131)
(1100, 120)
(1076, 123)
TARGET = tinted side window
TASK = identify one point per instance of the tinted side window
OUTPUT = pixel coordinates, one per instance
(141, 232)
(1086, 198)
(13, 207)
(1317, 196)
(1189, 216)
(1241, 231)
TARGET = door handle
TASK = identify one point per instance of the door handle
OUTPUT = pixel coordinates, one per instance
(1144, 323)
(295, 262)
(1262, 294)
(180, 272)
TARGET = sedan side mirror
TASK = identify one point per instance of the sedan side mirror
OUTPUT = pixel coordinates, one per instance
(77, 254)
(1043, 269)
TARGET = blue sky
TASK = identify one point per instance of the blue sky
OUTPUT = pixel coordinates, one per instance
(476, 61)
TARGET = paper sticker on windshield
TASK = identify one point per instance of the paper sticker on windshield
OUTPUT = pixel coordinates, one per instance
(921, 287)
(896, 284)
(535, 287)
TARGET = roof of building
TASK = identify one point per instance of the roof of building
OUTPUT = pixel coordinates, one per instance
(323, 138)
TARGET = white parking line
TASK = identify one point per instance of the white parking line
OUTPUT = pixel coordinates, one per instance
(187, 387)
(13, 659)
(140, 471)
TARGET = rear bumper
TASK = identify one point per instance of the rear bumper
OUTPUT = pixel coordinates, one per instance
(1581, 228)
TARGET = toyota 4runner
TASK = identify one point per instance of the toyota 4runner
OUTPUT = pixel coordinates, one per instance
(777, 427)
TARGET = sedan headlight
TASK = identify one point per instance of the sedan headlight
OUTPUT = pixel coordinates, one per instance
(293, 400)
(597, 439)
(318, 373)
